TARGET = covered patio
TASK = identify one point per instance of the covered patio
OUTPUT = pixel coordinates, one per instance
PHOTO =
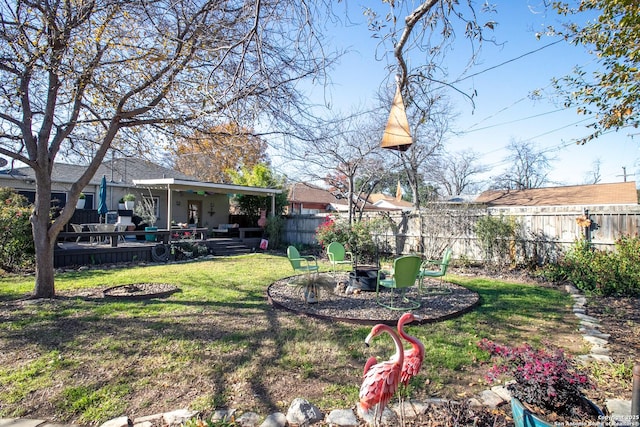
(202, 203)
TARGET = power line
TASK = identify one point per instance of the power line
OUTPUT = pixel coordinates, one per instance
(512, 121)
(508, 61)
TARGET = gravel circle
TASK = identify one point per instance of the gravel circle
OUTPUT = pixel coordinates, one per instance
(140, 291)
(449, 301)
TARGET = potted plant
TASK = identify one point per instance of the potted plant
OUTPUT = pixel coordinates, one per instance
(146, 210)
(121, 204)
(129, 201)
(81, 201)
(547, 387)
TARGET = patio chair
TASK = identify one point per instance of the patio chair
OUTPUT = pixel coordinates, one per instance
(78, 229)
(443, 264)
(306, 264)
(338, 255)
(404, 276)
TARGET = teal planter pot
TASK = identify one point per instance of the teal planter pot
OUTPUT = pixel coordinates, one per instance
(150, 237)
(522, 417)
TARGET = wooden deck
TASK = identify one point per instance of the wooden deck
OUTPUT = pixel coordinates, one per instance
(71, 253)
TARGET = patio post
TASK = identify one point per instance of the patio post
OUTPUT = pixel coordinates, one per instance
(169, 213)
(273, 204)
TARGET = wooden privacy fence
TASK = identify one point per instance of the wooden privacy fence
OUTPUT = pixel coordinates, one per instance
(542, 233)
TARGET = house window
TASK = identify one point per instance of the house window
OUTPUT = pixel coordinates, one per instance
(195, 211)
(155, 202)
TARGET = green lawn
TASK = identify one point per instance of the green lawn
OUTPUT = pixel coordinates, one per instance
(219, 343)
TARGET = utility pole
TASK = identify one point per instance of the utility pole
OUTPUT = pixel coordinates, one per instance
(624, 173)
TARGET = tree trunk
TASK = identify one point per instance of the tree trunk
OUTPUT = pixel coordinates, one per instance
(43, 240)
(45, 281)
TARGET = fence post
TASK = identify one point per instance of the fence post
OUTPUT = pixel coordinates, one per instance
(635, 394)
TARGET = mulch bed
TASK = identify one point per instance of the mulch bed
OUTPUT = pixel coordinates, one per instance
(446, 301)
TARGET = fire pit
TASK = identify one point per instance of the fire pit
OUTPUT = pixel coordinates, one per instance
(364, 277)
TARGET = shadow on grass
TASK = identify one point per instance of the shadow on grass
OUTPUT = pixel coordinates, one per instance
(221, 343)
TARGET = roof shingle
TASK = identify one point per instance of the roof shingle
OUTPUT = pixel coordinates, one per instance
(620, 193)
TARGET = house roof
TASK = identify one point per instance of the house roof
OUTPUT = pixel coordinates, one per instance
(621, 193)
(384, 201)
(118, 171)
(302, 192)
(190, 185)
(310, 194)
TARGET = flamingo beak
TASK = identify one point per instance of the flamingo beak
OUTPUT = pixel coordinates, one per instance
(368, 338)
(418, 318)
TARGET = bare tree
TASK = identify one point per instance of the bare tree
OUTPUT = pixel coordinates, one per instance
(84, 77)
(456, 172)
(345, 152)
(529, 167)
(430, 28)
(424, 32)
(430, 117)
(594, 176)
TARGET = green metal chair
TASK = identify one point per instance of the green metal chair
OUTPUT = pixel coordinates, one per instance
(404, 276)
(426, 272)
(305, 264)
(338, 255)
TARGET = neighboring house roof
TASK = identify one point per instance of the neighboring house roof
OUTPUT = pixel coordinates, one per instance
(621, 193)
(311, 195)
(301, 192)
(390, 202)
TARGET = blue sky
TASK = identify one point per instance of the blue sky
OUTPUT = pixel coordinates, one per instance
(503, 110)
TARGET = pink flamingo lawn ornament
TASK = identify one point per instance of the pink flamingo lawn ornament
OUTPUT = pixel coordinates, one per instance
(413, 357)
(381, 379)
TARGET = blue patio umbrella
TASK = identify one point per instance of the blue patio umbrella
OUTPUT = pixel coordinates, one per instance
(102, 198)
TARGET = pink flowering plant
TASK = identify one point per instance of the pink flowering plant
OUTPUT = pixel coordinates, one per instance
(332, 230)
(547, 380)
(356, 237)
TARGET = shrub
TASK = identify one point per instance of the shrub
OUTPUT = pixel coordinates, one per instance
(356, 238)
(274, 227)
(17, 251)
(496, 236)
(601, 272)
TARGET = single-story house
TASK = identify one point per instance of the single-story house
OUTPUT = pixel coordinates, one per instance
(618, 193)
(306, 198)
(176, 197)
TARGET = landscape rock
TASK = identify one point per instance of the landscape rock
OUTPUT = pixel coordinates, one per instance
(248, 419)
(618, 407)
(342, 418)
(154, 419)
(595, 340)
(302, 412)
(502, 391)
(586, 318)
(491, 399)
(177, 417)
(277, 419)
(118, 422)
(411, 408)
(222, 414)
(388, 418)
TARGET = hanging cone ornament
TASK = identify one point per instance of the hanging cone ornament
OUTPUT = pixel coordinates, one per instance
(396, 135)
